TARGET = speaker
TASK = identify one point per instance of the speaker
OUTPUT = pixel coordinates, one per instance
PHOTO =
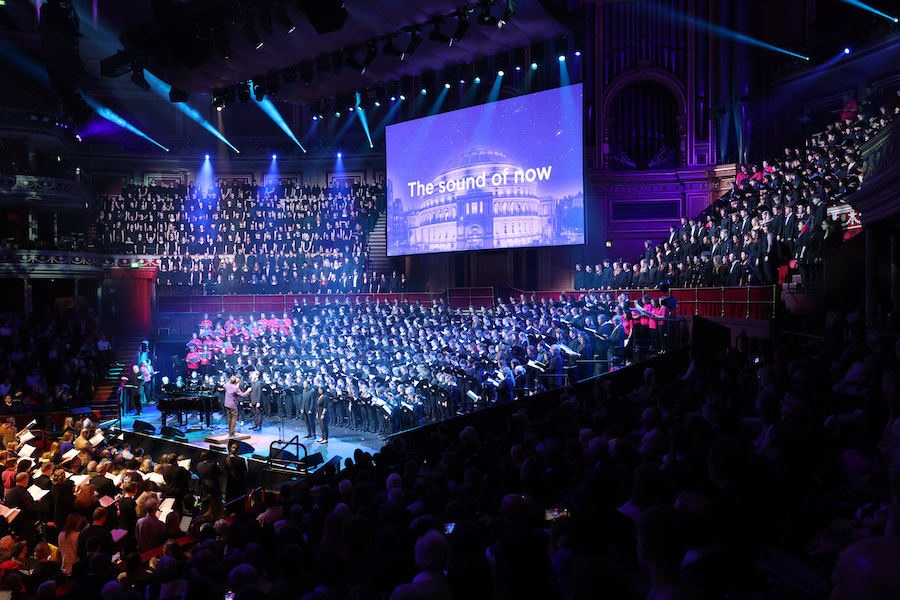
(283, 455)
(143, 427)
(171, 432)
(312, 461)
(244, 447)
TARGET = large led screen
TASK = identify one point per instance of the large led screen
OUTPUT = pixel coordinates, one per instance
(504, 174)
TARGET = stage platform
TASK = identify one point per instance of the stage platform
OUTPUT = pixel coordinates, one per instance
(341, 443)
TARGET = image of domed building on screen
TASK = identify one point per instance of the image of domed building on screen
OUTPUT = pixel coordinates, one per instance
(472, 213)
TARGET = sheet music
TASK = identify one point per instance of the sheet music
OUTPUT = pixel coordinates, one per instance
(186, 463)
(79, 479)
(97, 439)
(25, 436)
(26, 451)
(37, 493)
(70, 455)
(106, 501)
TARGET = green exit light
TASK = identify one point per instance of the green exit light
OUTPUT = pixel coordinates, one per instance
(134, 265)
(2, 2)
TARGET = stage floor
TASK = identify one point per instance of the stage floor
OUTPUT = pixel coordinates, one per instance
(341, 442)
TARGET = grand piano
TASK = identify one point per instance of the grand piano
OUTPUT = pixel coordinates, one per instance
(185, 400)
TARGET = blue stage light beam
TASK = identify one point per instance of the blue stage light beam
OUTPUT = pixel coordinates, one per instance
(439, 101)
(24, 63)
(718, 30)
(112, 117)
(871, 9)
(206, 177)
(361, 114)
(267, 107)
(162, 88)
(272, 174)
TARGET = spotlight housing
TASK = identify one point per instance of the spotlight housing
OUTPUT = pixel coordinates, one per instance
(340, 154)
(500, 73)
(206, 157)
(462, 26)
(534, 66)
(446, 86)
(846, 50)
(414, 42)
(486, 18)
(391, 50)
(438, 37)
(562, 58)
(274, 157)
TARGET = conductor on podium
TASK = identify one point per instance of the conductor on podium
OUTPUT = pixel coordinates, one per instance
(133, 383)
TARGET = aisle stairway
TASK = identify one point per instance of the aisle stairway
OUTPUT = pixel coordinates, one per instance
(106, 394)
(378, 259)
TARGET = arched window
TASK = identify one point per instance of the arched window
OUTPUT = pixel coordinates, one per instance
(644, 128)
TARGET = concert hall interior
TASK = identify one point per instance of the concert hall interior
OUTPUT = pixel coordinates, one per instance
(450, 299)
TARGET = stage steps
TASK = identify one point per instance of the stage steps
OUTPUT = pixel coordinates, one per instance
(105, 401)
(377, 246)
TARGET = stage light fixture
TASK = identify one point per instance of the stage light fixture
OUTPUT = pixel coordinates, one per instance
(307, 71)
(315, 118)
(218, 99)
(402, 97)
(562, 58)
(534, 66)
(283, 19)
(351, 109)
(377, 104)
(462, 26)
(846, 50)
(393, 98)
(352, 63)
(339, 155)
(391, 50)
(206, 157)
(462, 82)
(337, 114)
(414, 42)
(446, 86)
(578, 53)
(500, 73)
(486, 18)
(508, 14)
(137, 76)
(371, 53)
(222, 42)
(337, 62)
(243, 93)
(438, 37)
(476, 80)
(259, 88)
(518, 68)
(252, 35)
(423, 91)
(274, 156)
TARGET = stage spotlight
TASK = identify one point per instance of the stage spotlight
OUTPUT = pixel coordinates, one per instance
(274, 156)
(518, 68)
(423, 91)
(500, 73)
(462, 26)
(206, 157)
(244, 93)
(873, 10)
(578, 53)
(137, 76)
(351, 109)
(486, 18)
(534, 66)
(391, 50)
(353, 63)
(476, 80)
(393, 98)
(337, 114)
(562, 58)
(371, 52)
(337, 62)
(508, 14)
(402, 97)
(223, 43)
(306, 72)
(259, 88)
(446, 86)
(251, 34)
(339, 155)
(283, 19)
(462, 82)
(377, 104)
(414, 42)
(846, 50)
(437, 36)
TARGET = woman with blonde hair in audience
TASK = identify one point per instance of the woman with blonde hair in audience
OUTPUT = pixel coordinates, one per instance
(67, 541)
